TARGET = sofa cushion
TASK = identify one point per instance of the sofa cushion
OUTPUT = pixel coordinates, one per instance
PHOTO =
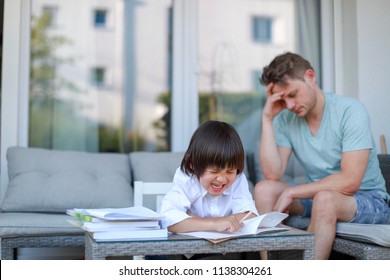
(155, 166)
(298, 222)
(376, 234)
(370, 233)
(36, 224)
(52, 181)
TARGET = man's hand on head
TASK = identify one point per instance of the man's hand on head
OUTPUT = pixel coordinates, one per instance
(275, 103)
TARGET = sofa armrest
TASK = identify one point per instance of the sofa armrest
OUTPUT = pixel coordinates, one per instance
(384, 164)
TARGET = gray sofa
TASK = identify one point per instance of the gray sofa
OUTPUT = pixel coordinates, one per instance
(44, 183)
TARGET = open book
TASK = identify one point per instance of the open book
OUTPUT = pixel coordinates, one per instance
(261, 224)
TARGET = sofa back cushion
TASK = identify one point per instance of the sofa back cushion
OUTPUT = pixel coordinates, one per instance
(155, 166)
(52, 181)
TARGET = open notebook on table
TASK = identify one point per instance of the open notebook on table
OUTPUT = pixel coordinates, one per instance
(265, 223)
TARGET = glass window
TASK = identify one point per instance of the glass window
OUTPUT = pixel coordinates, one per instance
(51, 13)
(231, 58)
(111, 91)
(98, 76)
(100, 18)
(256, 85)
(262, 29)
(101, 91)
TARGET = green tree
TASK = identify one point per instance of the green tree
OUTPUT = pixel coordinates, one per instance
(45, 83)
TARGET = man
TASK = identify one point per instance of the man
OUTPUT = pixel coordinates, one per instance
(330, 135)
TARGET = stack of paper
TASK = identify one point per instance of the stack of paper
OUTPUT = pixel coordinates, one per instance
(119, 224)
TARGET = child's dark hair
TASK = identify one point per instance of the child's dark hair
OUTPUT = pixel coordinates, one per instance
(214, 144)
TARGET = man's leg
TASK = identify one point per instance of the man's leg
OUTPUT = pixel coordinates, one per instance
(266, 193)
(328, 208)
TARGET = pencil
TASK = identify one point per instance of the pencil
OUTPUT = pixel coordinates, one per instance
(246, 216)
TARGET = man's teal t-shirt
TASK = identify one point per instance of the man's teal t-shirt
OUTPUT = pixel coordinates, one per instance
(345, 127)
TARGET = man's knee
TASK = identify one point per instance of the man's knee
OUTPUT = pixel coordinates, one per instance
(265, 194)
(325, 197)
(324, 201)
(264, 187)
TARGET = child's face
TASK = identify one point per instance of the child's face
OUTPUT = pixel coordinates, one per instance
(216, 180)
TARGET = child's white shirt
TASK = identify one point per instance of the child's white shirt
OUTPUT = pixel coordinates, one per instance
(188, 196)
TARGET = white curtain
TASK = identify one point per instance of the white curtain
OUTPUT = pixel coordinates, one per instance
(309, 32)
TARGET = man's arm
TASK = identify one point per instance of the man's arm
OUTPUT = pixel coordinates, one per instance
(273, 159)
(347, 181)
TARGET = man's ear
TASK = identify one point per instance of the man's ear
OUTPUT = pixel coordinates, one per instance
(310, 75)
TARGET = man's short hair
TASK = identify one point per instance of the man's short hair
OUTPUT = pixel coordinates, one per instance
(283, 66)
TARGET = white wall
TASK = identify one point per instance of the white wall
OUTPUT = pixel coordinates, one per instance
(365, 56)
(374, 60)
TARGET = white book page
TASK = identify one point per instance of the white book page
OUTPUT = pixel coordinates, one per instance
(262, 223)
(136, 212)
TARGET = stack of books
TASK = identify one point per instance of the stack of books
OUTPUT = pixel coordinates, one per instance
(119, 224)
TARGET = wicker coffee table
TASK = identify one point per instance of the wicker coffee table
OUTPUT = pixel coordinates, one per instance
(291, 244)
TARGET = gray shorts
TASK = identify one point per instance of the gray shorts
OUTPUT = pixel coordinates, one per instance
(372, 208)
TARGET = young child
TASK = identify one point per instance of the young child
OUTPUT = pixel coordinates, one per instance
(210, 190)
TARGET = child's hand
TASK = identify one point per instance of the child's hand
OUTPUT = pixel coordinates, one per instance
(228, 223)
